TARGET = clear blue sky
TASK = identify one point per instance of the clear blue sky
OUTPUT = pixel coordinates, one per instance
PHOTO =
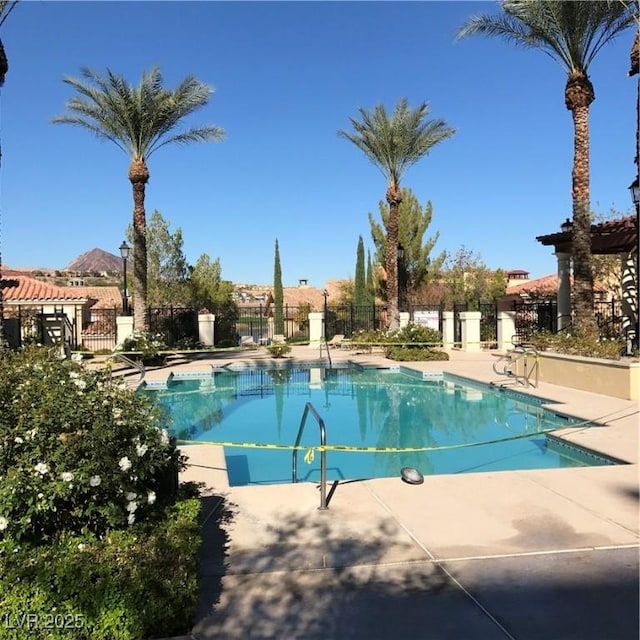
(288, 75)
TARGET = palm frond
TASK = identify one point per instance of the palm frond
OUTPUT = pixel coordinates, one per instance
(395, 142)
(569, 31)
(138, 119)
(6, 7)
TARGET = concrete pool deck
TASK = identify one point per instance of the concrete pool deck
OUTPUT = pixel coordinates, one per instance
(521, 555)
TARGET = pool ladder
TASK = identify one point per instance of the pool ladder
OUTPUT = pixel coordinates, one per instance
(310, 409)
(511, 364)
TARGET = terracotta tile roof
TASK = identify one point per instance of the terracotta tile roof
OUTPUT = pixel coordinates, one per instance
(105, 297)
(547, 285)
(20, 288)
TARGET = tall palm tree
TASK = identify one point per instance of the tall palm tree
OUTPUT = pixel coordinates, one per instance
(139, 120)
(571, 33)
(6, 7)
(393, 143)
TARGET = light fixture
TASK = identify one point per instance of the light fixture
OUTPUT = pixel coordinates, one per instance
(634, 188)
(125, 249)
(566, 226)
(411, 476)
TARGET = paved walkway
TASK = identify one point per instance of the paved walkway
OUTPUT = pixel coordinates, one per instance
(522, 555)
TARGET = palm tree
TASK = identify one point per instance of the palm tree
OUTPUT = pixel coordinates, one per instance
(393, 144)
(571, 33)
(139, 120)
(6, 7)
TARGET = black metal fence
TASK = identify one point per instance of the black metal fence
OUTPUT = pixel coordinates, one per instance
(536, 315)
(100, 334)
(347, 319)
(259, 323)
(24, 324)
(178, 326)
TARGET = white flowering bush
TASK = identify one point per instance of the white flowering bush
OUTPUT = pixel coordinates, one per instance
(79, 452)
(149, 345)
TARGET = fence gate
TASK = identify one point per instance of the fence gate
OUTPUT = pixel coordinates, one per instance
(458, 308)
(488, 324)
(100, 333)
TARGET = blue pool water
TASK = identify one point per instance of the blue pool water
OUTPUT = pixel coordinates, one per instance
(363, 407)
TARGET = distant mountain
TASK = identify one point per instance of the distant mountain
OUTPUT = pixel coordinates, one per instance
(96, 260)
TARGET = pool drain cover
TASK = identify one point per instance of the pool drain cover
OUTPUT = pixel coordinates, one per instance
(412, 476)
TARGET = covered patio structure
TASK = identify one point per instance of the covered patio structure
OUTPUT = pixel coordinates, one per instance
(613, 237)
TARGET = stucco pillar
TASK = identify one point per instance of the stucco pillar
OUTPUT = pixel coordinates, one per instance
(124, 328)
(506, 329)
(316, 322)
(447, 330)
(404, 318)
(206, 323)
(564, 289)
(470, 330)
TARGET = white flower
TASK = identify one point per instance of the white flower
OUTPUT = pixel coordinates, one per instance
(74, 374)
(42, 468)
(151, 497)
(81, 384)
(164, 437)
(95, 481)
(141, 449)
(130, 495)
(32, 433)
(4, 523)
(124, 464)
(132, 518)
(67, 476)
(81, 547)
(132, 506)
(40, 496)
(18, 439)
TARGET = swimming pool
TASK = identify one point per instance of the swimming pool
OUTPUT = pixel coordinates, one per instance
(392, 408)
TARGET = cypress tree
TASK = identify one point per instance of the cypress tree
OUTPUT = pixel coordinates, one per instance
(360, 283)
(278, 321)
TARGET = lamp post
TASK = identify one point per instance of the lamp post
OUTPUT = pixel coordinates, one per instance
(634, 188)
(125, 249)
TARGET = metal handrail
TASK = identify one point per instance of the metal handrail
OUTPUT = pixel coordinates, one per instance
(512, 357)
(132, 363)
(309, 408)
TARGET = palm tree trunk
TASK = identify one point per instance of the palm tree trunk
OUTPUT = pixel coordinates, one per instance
(579, 95)
(4, 67)
(394, 198)
(139, 176)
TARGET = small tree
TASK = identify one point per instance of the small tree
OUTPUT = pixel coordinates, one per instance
(167, 269)
(468, 280)
(417, 265)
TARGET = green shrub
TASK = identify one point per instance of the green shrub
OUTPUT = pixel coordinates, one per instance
(578, 345)
(279, 349)
(133, 584)
(415, 334)
(404, 354)
(79, 452)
